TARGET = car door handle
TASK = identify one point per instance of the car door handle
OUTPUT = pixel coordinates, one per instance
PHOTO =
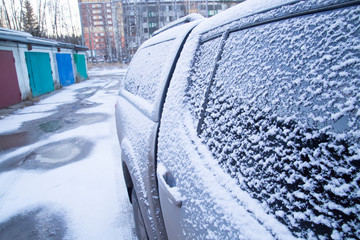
(167, 184)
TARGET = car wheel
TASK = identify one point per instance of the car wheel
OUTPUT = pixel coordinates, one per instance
(139, 221)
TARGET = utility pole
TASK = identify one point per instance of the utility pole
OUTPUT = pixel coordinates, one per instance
(82, 28)
(90, 33)
(118, 29)
(207, 8)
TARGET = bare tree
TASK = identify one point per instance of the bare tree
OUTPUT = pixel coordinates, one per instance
(52, 14)
(42, 15)
(71, 19)
(1, 18)
(17, 15)
(53, 18)
(7, 15)
(21, 15)
(55, 24)
(11, 14)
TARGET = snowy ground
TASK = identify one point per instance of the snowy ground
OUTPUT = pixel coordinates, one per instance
(63, 179)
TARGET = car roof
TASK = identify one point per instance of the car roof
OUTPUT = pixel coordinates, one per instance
(189, 18)
(241, 10)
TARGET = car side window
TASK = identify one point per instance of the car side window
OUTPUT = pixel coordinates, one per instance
(200, 75)
(143, 76)
(283, 119)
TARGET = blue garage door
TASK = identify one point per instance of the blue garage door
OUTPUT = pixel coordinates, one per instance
(66, 73)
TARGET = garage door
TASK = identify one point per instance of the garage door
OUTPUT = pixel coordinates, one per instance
(80, 66)
(66, 73)
(9, 85)
(40, 74)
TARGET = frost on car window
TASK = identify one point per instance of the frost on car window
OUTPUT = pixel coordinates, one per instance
(283, 119)
(145, 71)
(200, 75)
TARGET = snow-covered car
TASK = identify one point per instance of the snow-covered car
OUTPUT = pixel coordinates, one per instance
(246, 125)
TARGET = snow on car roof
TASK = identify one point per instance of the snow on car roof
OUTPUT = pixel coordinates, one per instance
(189, 18)
(242, 10)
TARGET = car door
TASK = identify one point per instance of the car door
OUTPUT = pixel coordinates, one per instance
(189, 177)
(137, 114)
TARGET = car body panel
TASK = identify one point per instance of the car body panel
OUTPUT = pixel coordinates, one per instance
(222, 152)
(201, 185)
(199, 158)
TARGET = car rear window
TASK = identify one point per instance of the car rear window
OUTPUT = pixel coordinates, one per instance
(145, 71)
(282, 118)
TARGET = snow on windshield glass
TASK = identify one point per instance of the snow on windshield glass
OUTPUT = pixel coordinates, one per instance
(286, 125)
(145, 71)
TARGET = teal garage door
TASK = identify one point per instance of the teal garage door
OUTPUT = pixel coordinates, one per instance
(40, 74)
(79, 60)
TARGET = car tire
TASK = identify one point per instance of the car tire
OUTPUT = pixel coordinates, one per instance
(139, 221)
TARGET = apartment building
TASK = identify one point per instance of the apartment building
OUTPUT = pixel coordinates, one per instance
(114, 29)
(142, 18)
(102, 29)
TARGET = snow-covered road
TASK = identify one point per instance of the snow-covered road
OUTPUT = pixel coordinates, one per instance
(60, 171)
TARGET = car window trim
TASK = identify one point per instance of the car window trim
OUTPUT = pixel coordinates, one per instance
(213, 72)
(254, 13)
(153, 44)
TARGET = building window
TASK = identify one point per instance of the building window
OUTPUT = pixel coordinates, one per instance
(152, 25)
(212, 12)
(152, 14)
